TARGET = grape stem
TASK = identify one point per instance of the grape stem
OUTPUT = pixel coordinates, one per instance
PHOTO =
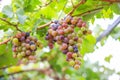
(44, 25)
(72, 3)
(40, 70)
(5, 42)
(15, 25)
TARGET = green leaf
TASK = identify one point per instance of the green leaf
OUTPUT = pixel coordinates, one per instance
(21, 16)
(7, 10)
(88, 44)
(116, 8)
(108, 58)
(6, 58)
(107, 13)
(2, 49)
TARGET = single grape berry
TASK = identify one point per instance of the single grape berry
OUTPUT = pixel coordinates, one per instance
(69, 54)
(71, 62)
(32, 47)
(74, 55)
(27, 34)
(15, 41)
(76, 66)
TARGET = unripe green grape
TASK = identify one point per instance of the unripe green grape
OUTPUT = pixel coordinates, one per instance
(79, 45)
(83, 29)
(71, 63)
(70, 48)
(80, 33)
(23, 53)
(24, 60)
(74, 55)
(75, 18)
(15, 41)
(19, 56)
(73, 34)
(78, 58)
(23, 48)
(20, 49)
(17, 49)
(80, 40)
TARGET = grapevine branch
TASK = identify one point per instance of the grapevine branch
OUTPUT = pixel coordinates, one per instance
(15, 25)
(44, 25)
(109, 29)
(72, 3)
(5, 42)
(40, 70)
(46, 4)
(89, 11)
(47, 70)
(76, 6)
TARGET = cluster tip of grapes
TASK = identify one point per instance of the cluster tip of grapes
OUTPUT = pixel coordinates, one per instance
(24, 47)
(63, 33)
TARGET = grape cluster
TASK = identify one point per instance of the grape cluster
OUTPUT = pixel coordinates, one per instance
(63, 33)
(24, 47)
